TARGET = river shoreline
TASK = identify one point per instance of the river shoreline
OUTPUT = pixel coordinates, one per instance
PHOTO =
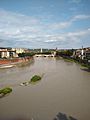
(8, 63)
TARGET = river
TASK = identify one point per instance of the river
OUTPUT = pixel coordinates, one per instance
(65, 87)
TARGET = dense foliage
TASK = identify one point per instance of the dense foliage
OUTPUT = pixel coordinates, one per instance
(26, 54)
(46, 52)
(65, 53)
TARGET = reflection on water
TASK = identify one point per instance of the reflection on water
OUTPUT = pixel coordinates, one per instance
(85, 69)
(63, 88)
(26, 64)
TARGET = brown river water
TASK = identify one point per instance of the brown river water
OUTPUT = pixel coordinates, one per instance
(65, 87)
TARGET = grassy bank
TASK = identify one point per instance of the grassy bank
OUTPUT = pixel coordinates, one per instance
(68, 59)
(85, 65)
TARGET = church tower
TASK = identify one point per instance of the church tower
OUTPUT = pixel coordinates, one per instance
(82, 53)
(41, 50)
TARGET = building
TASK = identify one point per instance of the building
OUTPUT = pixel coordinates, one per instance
(7, 53)
(87, 54)
(19, 50)
(83, 53)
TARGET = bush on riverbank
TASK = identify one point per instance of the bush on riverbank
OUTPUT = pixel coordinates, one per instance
(35, 78)
(5, 91)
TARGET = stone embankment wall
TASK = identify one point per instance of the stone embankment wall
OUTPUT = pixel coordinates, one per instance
(8, 61)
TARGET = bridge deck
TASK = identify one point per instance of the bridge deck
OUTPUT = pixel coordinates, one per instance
(44, 55)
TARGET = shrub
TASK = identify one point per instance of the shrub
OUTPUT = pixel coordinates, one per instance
(35, 78)
(5, 91)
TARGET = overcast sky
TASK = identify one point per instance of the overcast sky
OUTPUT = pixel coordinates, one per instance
(45, 23)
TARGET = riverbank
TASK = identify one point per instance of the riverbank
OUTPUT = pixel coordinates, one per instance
(9, 63)
(14, 60)
(81, 62)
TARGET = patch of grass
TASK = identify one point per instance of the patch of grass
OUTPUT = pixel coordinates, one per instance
(5, 91)
(69, 59)
(35, 78)
(85, 65)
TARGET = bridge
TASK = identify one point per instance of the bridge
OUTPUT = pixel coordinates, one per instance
(44, 55)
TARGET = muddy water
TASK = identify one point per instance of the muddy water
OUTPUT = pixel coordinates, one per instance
(65, 87)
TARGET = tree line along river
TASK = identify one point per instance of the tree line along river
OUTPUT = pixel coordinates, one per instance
(65, 87)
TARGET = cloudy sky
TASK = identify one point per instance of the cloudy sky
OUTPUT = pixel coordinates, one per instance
(45, 23)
